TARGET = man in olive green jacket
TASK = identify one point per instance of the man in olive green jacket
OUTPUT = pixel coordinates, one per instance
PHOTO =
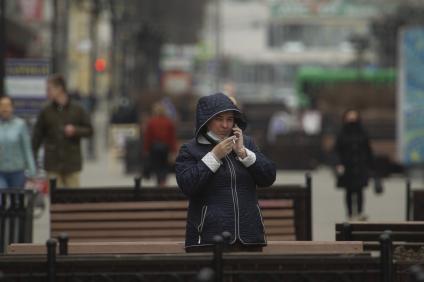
(60, 126)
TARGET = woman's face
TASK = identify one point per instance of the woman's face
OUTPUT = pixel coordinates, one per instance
(6, 108)
(351, 116)
(221, 125)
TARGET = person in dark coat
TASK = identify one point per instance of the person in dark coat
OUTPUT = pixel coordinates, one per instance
(219, 171)
(59, 128)
(355, 159)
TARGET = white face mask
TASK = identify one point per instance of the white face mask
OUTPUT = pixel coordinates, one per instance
(213, 136)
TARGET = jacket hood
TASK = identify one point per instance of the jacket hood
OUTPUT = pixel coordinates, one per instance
(210, 106)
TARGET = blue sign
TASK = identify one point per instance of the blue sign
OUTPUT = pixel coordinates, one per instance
(412, 96)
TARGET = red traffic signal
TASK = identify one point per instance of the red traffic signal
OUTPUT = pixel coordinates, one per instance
(100, 65)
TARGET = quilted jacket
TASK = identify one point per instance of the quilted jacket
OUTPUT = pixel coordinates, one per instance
(224, 200)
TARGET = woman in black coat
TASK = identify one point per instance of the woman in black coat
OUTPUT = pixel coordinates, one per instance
(355, 161)
(219, 171)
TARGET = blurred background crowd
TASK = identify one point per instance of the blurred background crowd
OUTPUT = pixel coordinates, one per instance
(293, 66)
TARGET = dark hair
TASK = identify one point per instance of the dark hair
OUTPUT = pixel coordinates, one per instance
(57, 80)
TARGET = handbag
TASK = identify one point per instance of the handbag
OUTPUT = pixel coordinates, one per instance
(378, 185)
(340, 180)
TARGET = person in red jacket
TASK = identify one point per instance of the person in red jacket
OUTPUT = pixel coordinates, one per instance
(159, 142)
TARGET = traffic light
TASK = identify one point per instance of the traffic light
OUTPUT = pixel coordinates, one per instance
(100, 65)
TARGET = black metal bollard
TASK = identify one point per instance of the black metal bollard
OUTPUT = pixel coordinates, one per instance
(13, 216)
(386, 257)
(51, 260)
(206, 274)
(417, 273)
(63, 244)
(217, 258)
(346, 231)
(22, 220)
(408, 200)
(308, 213)
(227, 238)
(52, 184)
(137, 183)
(3, 214)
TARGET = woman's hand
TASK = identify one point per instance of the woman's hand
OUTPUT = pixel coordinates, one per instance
(224, 147)
(239, 142)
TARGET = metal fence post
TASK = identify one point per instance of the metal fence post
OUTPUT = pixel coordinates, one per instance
(22, 220)
(408, 199)
(308, 221)
(63, 244)
(227, 238)
(51, 260)
(386, 257)
(217, 257)
(346, 231)
(52, 183)
(3, 216)
(13, 216)
(137, 183)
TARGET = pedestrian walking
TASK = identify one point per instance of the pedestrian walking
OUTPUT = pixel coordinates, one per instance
(59, 127)
(16, 158)
(159, 144)
(354, 162)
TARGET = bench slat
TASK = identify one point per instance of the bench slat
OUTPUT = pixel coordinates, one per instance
(107, 216)
(125, 233)
(105, 225)
(273, 247)
(395, 236)
(382, 226)
(150, 232)
(136, 224)
(129, 239)
(153, 215)
(119, 206)
(284, 203)
(287, 213)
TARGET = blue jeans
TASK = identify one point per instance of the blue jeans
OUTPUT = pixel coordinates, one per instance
(14, 179)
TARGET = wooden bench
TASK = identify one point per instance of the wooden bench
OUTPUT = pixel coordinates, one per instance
(183, 267)
(159, 214)
(411, 232)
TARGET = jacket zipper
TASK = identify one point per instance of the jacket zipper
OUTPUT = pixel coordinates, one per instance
(235, 200)
(202, 222)
(262, 221)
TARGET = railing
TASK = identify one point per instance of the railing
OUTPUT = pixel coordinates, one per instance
(220, 266)
(16, 212)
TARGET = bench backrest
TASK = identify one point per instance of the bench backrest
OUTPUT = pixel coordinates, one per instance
(370, 232)
(159, 214)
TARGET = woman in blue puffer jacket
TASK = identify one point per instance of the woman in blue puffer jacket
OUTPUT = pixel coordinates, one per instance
(219, 171)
